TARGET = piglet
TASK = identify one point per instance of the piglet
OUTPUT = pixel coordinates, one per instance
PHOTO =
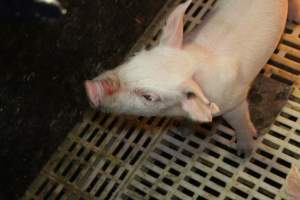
(208, 73)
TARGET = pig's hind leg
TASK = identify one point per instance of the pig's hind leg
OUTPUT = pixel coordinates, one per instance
(294, 10)
(239, 119)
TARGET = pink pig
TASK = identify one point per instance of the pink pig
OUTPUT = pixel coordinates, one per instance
(206, 74)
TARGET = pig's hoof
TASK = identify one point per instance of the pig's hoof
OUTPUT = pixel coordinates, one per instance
(245, 148)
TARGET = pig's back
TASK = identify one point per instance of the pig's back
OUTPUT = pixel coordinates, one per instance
(246, 29)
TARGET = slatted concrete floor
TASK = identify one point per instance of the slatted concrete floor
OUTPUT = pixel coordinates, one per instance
(134, 158)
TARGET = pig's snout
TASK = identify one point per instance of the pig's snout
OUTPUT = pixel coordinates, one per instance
(94, 91)
(98, 90)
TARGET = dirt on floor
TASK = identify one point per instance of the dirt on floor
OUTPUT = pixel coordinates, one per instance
(42, 68)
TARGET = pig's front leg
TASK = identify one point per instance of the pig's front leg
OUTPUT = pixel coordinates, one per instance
(239, 119)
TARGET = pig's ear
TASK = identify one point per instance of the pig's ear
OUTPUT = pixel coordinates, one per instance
(98, 89)
(196, 104)
(172, 35)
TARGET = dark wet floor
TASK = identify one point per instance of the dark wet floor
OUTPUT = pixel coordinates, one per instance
(42, 66)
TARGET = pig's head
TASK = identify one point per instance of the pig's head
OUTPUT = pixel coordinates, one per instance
(155, 82)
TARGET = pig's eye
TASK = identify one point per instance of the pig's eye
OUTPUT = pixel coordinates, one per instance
(151, 97)
(148, 97)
